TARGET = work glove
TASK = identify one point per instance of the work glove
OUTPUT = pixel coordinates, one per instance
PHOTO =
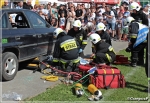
(49, 58)
(80, 51)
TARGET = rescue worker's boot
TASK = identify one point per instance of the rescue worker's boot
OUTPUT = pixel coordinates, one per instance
(134, 62)
(140, 61)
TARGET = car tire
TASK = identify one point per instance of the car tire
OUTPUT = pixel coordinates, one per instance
(9, 66)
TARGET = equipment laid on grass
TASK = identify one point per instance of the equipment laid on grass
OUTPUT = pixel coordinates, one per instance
(107, 77)
(121, 59)
(79, 89)
(96, 94)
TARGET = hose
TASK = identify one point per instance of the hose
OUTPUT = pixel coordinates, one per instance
(50, 78)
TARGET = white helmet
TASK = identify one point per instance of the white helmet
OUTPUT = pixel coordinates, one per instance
(135, 6)
(94, 38)
(77, 23)
(57, 32)
(129, 19)
(100, 26)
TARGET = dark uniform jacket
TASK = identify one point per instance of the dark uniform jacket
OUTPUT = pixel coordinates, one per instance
(66, 48)
(80, 37)
(140, 16)
(106, 37)
(103, 47)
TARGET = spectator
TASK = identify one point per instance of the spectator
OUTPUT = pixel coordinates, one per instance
(117, 9)
(114, 10)
(35, 8)
(27, 5)
(125, 27)
(104, 6)
(110, 16)
(62, 21)
(119, 26)
(73, 12)
(70, 21)
(121, 9)
(20, 5)
(6, 5)
(44, 11)
(145, 10)
(54, 22)
(41, 14)
(83, 9)
(79, 12)
(54, 10)
(62, 10)
(70, 4)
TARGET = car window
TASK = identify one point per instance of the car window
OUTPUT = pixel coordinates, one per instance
(36, 20)
(3, 21)
(18, 20)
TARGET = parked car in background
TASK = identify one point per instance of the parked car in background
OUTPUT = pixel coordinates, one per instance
(25, 35)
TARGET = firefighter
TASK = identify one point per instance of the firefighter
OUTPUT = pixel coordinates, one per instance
(134, 27)
(66, 53)
(104, 52)
(101, 30)
(79, 34)
(140, 17)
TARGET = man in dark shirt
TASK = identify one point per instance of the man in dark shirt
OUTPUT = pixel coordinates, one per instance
(79, 12)
(28, 5)
(62, 10)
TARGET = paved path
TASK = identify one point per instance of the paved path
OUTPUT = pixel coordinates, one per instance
(28, 84)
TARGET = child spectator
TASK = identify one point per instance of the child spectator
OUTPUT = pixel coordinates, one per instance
(62, 21)
(125, 27)
(119, 26)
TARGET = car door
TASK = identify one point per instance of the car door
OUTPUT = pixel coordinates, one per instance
(7, 39)
(43, 32)
(25, 37)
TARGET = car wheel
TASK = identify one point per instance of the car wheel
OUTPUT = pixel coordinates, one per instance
(9, 66)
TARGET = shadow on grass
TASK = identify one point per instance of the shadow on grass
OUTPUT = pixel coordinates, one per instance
(136, 86)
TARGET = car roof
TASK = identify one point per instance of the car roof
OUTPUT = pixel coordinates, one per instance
(14, 10)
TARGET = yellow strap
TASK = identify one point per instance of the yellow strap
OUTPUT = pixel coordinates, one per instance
(132, 36)
(112, 71)
(108, 57)
(84, 42)
(104, 71)
(50, 78)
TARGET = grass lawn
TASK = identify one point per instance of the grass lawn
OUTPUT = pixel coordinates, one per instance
(135, 78)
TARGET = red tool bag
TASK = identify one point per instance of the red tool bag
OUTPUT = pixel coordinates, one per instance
(107, 77)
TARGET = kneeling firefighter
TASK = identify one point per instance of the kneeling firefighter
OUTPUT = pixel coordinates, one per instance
(66, 53)
(104, 53)
(137, 33)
